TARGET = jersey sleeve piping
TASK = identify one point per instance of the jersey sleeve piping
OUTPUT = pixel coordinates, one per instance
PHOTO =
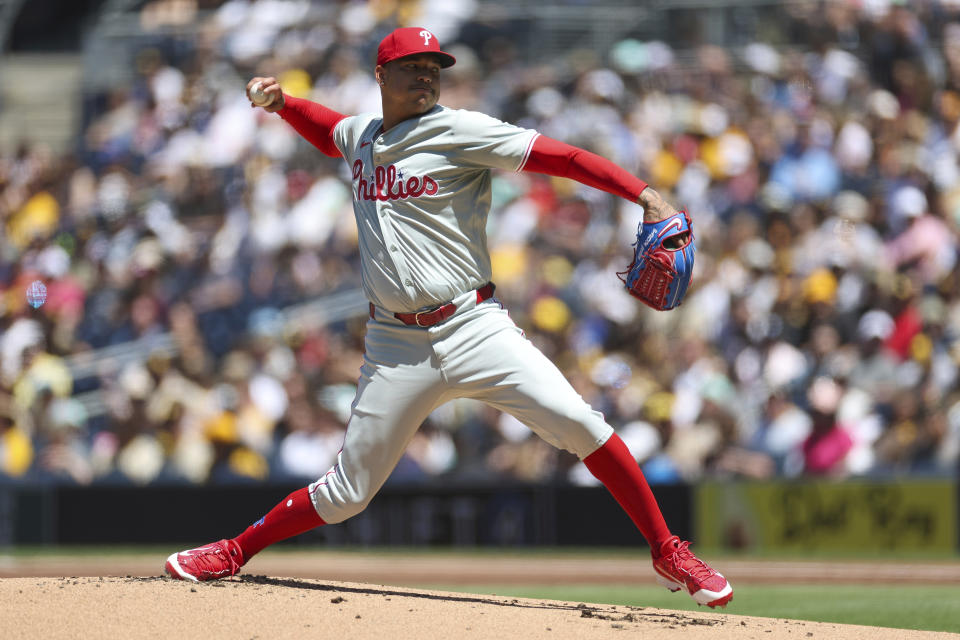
(335, 135)
(526, 153)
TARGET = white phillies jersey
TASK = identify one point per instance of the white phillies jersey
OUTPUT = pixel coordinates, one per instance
(421, 195)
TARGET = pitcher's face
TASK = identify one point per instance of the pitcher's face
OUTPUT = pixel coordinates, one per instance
(409, 86)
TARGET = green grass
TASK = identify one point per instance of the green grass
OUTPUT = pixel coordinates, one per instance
(901, 607)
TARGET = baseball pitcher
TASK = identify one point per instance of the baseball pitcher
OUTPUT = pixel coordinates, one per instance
(421, 195)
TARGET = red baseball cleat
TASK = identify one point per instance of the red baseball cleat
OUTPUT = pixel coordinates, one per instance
(678, 568)
(210, 562)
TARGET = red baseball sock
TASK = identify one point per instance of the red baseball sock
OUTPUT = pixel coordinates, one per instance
(293, 515)
(614, 466)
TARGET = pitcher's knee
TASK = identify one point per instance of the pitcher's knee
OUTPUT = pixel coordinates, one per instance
(340, 511)
(337, 501)
(580, 432)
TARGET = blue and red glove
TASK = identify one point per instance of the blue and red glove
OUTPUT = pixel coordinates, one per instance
(662, 262)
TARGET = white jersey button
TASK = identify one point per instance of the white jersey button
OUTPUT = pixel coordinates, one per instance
(408, 282)
(393, 247)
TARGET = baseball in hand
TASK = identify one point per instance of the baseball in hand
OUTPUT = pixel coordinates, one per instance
(258, 97)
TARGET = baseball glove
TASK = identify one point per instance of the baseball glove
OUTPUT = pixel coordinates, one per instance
(662, 262)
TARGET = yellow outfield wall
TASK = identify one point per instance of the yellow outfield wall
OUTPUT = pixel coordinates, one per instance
(827, 516)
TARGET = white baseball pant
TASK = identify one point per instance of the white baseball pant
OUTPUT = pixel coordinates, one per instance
(408, 371)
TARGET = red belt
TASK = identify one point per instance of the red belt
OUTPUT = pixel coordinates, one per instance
(441, 313)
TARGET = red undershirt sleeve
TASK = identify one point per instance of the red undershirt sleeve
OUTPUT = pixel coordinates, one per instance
(556, 158)
(314, 122)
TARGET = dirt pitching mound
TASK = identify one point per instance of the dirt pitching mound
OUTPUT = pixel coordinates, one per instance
(254, 606)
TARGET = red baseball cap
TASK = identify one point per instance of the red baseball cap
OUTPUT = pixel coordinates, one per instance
(408, 41)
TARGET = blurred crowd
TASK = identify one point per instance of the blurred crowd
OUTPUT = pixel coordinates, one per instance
(821, 335)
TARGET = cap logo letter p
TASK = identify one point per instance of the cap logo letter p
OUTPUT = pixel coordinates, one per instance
(426, 35)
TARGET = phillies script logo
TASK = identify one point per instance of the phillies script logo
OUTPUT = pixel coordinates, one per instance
(388, 184)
